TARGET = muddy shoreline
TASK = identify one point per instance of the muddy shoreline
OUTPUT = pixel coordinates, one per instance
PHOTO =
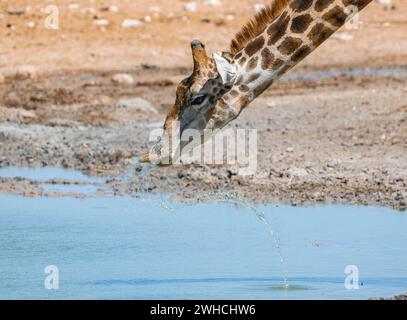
(339, 138)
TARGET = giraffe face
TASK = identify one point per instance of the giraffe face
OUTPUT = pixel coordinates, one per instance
(198, 96)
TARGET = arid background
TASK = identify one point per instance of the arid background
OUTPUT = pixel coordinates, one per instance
(85, 97)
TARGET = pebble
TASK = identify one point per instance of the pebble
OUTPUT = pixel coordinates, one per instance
(112, 8)
(212, 3)
(138, 103)
(30, 24)
(25, 72)
(190, 6)
(131, 23)
(101, 22)
(297, 172)
(123, 78)
(385, 2)
(27, 114)
(2, 79)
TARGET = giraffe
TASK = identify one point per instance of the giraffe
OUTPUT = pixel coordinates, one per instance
(223, 85)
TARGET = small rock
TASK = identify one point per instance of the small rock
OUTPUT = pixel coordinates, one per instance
(386, 3)
(2, 79)
(25, 72)
(123, 78)
(137, 103)
(30, 24)
(101, 22)
(73, 6)
(290, 150)
(26, 114)
(212, 3)
(190, 6)
(297, 172)
(131, 23)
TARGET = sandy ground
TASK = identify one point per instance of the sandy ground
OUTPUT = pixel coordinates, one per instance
(339, 139)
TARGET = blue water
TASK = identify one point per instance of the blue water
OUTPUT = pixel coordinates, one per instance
(46, 173)
(143, 248)
(80, 183)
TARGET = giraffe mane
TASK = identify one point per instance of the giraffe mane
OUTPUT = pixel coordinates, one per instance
(257, 24)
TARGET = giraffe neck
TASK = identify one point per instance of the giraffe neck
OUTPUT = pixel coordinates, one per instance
(302, 26)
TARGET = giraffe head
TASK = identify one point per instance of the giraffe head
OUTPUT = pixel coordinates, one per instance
(199, 98)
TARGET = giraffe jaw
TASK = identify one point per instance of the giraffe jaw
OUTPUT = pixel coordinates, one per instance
(163, 155)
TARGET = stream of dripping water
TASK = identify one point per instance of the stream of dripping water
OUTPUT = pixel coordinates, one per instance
(223, 197)
(234, 199)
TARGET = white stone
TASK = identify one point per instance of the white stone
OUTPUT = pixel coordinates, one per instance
(25, 72)
(123, 78)
(212, 3)
(30, 24)
(297, 172)
(27, 114)
(113, 8)
(131, 23)
(385, 2)
(101, 22)
(137, 103)
(190, 6)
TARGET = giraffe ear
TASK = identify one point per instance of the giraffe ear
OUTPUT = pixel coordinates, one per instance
(227, 70)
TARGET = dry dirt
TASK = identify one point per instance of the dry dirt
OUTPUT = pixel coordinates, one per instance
(327, 139)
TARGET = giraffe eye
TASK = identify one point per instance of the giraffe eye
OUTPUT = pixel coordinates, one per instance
(198, 100)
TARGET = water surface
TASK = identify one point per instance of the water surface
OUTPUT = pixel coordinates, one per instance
(149, 248)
